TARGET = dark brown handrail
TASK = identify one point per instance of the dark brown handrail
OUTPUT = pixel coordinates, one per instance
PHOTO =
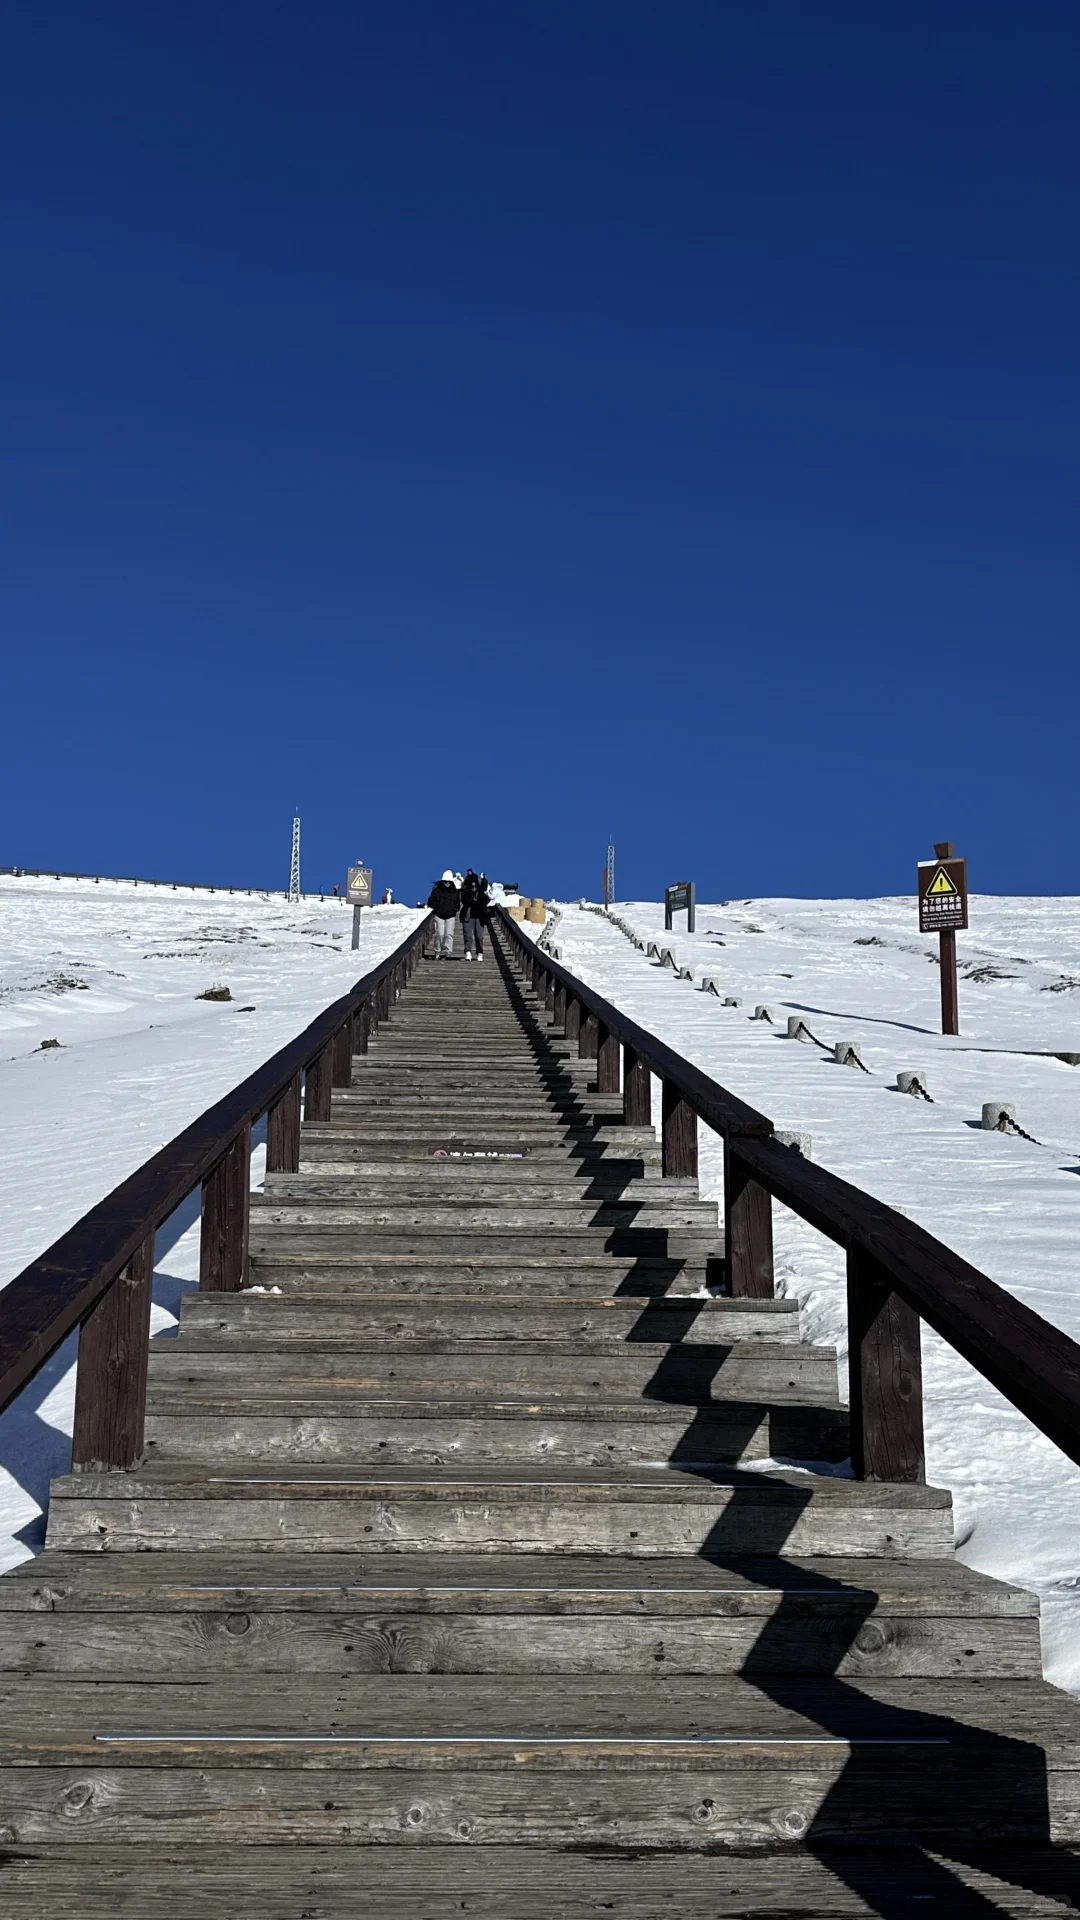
(898, 1274)
(68, 1284)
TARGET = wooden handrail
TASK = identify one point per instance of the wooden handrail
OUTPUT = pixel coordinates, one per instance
(898, 1273)
(67, 1283)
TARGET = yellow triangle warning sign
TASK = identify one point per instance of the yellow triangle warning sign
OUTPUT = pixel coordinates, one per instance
(941, 883)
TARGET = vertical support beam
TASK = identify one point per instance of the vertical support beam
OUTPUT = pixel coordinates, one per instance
(283, 1130)
(317, 1086)
(342, 1055)
(572, 1024)
(226, 1197)
(748, 1233)
(558, 1009)
(588, 1036)
(885, 1376)
(549, 995)
(637, 1090)
(678, 1136)
(950, 997)
(110, 1385)
(362, 1027)
(607, 1060)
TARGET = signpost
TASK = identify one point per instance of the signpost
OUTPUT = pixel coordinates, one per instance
(358, 894)
(679, 899)
(943, 907)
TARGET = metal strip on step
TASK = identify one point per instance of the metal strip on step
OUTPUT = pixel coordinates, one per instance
(607, 1593)
(502, 1740)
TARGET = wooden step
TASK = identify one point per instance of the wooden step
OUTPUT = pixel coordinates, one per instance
(148, 1614)
(531, 1273)
(172, 1881)
(246, 1322)
(659, 1511)
(552, 1761)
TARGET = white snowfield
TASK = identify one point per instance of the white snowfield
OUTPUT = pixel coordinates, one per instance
(112, 971)
(858, 970)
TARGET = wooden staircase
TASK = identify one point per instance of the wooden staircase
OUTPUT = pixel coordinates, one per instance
(460, 1572)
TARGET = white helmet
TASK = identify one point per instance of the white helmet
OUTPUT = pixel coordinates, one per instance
(448, 875)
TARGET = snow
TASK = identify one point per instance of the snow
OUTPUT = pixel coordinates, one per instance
(1010, 1207)
(112, 970)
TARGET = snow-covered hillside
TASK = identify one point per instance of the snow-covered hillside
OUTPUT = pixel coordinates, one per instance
(858, 970)
(112, 972)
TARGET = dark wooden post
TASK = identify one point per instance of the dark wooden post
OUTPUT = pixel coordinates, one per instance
(317, 1086)
(607, 1060)
(110, 1385)
(572, 1023)
(283, 1130)
(885, 1376)
(363, 1027)
(637, 1090)
(558, 1008)
(588, 1036)
(748, 1235)
(226, 1197)
(679, 1136)
(549, 995)
(342, 1058)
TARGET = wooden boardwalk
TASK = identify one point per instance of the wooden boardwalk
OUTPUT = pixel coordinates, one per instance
(453, 1578)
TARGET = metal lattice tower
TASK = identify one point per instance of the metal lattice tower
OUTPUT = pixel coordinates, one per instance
(609, 876)
(294, 864)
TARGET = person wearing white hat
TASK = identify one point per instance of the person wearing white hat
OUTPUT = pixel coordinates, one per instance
(444, 901)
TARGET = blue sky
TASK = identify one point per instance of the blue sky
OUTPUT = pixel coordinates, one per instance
(492, 425)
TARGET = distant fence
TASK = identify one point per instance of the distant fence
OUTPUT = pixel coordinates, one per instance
(166, 886)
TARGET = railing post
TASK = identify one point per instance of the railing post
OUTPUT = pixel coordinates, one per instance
(110, 1384)
(362, 1029)
(558, 1007)
(572, 1023)
(283, 1130)
(549, 995)
(607, 1059)
(885, 1376)
(318, 1082)
(678, 1136)
(748, 1235)
(637, 1091)
(588, 1036)
(226, 1197)
(342, 1058)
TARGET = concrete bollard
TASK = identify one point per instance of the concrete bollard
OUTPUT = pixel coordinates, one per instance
(732, 1000)
(710, 984)
(912, 1081)
(996, 1115)
(684, 973)
(797, 1030)
(846, 1054)
(764, 1013)
(667, 959)
(799, 1142)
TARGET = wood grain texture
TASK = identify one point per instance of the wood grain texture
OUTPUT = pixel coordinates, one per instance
(283, 1130)
(226, 1208)
(748, 1232)
(885, 1376)
(110, 1381)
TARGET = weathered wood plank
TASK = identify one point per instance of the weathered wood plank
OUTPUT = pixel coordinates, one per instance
(110, 1382)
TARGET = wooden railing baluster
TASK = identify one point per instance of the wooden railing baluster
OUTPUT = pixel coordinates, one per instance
(226, 1206)
(343, 1055)
(637, 1090)
(588, 1035)
(607, 1059)
(884, 1374)
(283, 1130)
(748, 1236)
(678, 1146)
(318, 1085)
(110, 1381)
(558, 1008)
(572, 1023)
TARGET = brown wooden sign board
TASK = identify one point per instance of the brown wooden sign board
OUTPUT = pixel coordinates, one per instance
(943, 898)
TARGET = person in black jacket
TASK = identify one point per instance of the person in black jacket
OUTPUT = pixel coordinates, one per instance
(444, 901)
(474, 913)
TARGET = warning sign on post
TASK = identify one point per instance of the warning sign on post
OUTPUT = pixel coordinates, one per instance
(942, 895)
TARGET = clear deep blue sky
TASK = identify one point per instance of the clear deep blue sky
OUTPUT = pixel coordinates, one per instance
(489, 424)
